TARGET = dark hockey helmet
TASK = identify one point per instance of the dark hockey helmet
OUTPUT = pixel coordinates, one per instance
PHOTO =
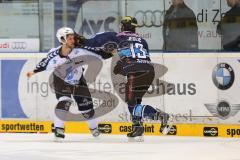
(129, 23)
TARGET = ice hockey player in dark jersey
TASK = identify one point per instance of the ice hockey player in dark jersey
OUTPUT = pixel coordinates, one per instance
(68, 80)
(135, 64)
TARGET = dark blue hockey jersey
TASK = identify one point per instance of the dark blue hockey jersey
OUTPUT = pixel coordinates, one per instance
(132, 49)
(129, 44)
(102, 44)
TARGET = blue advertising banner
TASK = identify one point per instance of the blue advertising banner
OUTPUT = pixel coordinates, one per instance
(10, 73)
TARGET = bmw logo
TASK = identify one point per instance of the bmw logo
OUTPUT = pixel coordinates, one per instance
(223, 76)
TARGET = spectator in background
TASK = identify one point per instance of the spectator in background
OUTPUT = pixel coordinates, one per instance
(229, 27)
(180, 30)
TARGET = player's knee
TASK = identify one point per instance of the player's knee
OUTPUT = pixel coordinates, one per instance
(88, 114)
(64, 103)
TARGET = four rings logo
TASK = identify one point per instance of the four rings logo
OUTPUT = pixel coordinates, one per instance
(18, 45)
(149, 18)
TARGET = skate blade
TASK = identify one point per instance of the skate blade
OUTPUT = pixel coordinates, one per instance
(58, 139)
(96, 135)
(97, 138)
(136, 139)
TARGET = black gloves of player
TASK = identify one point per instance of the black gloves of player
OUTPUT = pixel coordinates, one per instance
(79, 40)
(118, 69)
(110, 47)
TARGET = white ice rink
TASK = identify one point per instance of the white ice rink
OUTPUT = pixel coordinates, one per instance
(85, 147)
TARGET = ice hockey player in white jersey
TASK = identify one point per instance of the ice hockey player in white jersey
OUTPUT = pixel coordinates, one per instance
(68, 79)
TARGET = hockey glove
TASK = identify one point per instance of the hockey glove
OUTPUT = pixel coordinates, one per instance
(118, 69)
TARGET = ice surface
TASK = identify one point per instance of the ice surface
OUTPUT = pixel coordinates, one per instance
(116, 147)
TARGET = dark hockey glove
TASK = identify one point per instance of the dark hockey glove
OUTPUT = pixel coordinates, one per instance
(79, 40)
(118, 69)
(109, 47)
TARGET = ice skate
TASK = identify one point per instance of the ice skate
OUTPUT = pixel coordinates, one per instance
(59, 134)
(166, 122)
(136, 135)
(95, 132)
(137, 131)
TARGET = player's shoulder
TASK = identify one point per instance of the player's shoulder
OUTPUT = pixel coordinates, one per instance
(78, 50)
(107, 33)
(128, 34)
(83, 52)
(54, 51)
(143, 40)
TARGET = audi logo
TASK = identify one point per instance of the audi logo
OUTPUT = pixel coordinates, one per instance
(150, 18)
(18, 45)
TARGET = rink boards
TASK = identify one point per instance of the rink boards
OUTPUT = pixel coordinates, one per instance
(200, 90)
(121, 128)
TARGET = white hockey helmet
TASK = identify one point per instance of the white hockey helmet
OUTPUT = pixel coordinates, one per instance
(62, 33)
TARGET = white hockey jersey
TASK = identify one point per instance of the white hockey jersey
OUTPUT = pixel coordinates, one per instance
(68, 68)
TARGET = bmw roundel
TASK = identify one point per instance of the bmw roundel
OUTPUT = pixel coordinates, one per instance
(223, 76)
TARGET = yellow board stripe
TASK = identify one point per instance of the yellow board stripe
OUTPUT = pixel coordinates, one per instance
(24, 126)
(199, 130)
